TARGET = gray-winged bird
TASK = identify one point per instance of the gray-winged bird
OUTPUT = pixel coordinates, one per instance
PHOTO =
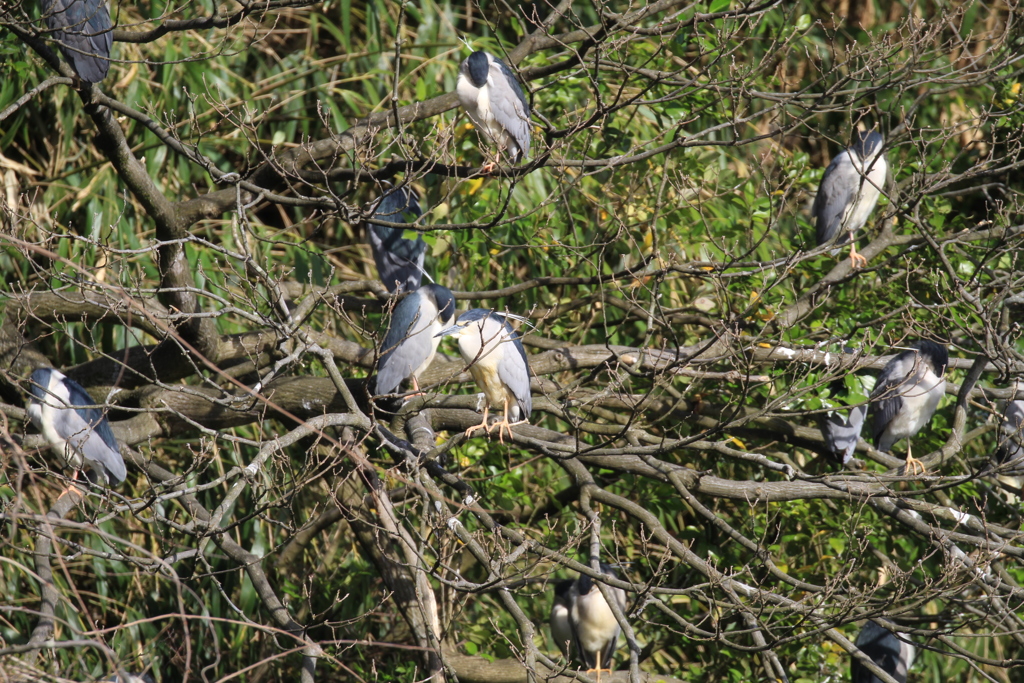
(561, 630)
(399, 260)
(83, 30)
(79, 435)
(1010, 431)
(595, 630)
(849, 191)
(498, 363)
(906, 395)
(892, 655)
(491, 96)
(413, 335)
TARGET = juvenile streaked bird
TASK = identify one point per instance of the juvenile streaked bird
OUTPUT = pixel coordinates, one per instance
(84, 33)
(494, 101)
(849, 191)
(413, 335)
(906, 396)
(498, 363)
(399, 260)
(79, 435)
(892, 655)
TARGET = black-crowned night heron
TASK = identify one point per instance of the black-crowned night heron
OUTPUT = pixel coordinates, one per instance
(561, 630)
(413, 336)
(1011, 431)
(906, 395)
(593, 628)
(399, 260)
(79, 435)
(841, 428)
(83, 30)
(848, 192)
(498, 363)
(892, 655)
(491, 96)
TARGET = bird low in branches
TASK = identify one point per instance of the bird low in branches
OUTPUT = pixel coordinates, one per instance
(583, 624)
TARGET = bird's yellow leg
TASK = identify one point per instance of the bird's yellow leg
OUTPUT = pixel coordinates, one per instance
(856, 260)
(913, 463)
(416, 389)
(505, 424)
(598, 669)
(482, 425)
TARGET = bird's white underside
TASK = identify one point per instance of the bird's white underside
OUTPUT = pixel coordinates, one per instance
(872, 173)
(476, 102)
(596, 624)
(919, 403)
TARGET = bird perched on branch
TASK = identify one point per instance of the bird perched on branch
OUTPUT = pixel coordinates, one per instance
(582, 623)
(849, 191)
(399, 260)
(84, 33)
(1011, 431)
(79, 435)
(491, 96)
(413, 335)
(498, 363)
(906, 395)
(892, 655)
(841, 428)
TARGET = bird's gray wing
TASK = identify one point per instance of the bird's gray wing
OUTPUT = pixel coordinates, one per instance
(509, 106)
(514, 372)
(83, 30)
(835, 194)
(402, 352)
(1010, 433)
(842, 433)
(886, 400)
(399, 260)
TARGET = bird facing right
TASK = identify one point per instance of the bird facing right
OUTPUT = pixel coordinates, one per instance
(83, 30)
(80, 436)
(1010, 431)
(892, 655)
(849, 191)
(494, 101)
(907, 394)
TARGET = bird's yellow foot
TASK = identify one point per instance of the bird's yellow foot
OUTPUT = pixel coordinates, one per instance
(913, 464)
(483, 425)
(857, 260)
(488, 168)
(599, 672)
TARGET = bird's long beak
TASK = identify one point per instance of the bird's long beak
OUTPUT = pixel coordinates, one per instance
(448, 330)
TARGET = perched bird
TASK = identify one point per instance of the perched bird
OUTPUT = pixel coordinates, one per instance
(841, 428)
(490, 94)
(849, 191)
(595, 630)
(906, 395)
(498, 363)
(561, 630)
(842, 431)
(399, 260)
(83, 30)
(1011, 431)
(892, 655)
(412, 338)
(80, 436)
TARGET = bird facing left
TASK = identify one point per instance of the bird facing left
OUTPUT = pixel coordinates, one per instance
(83, 30)
(412, 338)
(79, 435)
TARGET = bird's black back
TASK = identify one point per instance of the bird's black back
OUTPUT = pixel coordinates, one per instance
(83, 30)
(884, 650)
